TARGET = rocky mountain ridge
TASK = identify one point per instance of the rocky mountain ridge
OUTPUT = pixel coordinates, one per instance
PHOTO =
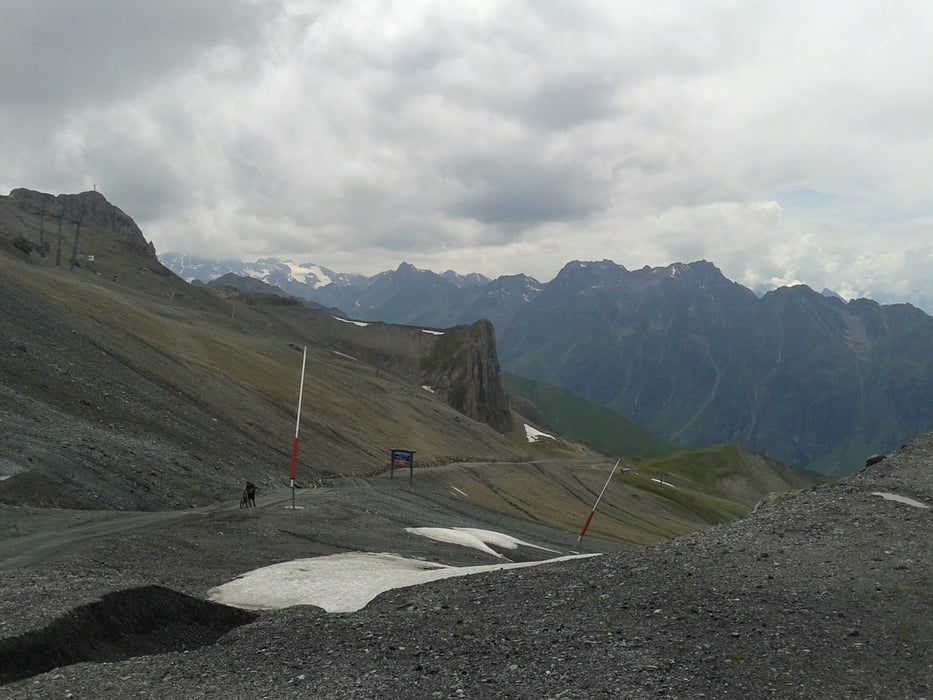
(149, 381)
(160, 394)
(691, 356)
(86, 209)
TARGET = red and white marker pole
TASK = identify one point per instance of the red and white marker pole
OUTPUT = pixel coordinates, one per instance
(293, 472)
(595, 506)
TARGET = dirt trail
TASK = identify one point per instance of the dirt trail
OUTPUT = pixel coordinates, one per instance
(58, 535)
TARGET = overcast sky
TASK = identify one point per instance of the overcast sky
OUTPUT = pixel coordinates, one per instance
(782, 141)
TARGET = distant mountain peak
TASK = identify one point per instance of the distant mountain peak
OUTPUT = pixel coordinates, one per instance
(691, 268)
(604, 264)
(297, 279)
(583, 272)
(829, 293)
(472, 279)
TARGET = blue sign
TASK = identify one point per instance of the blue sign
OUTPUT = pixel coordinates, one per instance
(402, 458)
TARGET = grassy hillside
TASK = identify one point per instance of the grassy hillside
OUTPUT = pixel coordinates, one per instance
(126, 388)
(646, 501)
(724, 471)
(578, 419)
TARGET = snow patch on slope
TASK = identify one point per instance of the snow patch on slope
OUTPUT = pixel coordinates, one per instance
(340, 583)
(473, 537)
(535, 435)
(300, 273)
(900, 499)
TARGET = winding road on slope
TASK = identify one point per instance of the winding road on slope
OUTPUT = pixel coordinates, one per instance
(58, 532)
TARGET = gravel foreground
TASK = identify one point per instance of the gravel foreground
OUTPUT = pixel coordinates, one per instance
(824, 594)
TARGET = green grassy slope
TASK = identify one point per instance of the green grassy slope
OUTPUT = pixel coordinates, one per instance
(126, 388)
(646, 501)
(725, 471)
(578, 419)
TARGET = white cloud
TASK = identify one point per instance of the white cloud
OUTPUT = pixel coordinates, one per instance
(780, 141)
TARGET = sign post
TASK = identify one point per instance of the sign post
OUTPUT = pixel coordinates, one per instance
(293, 472)
(402, 458)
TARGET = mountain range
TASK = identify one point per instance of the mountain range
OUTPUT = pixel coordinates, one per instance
(125, 387)
(697, 359)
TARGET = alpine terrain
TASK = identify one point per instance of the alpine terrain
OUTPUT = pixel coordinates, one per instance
(495, 557)
(681, 351)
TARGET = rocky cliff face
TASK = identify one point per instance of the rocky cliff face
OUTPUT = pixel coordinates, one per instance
(88, 208)
(463, 369)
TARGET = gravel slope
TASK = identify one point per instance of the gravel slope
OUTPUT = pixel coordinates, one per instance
(827, 593)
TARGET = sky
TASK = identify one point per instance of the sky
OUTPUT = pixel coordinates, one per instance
(785, 142)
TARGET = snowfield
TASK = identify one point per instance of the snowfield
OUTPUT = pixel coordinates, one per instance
(347, 582)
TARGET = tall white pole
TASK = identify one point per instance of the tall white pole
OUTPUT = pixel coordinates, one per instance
(596, 505)
(301, 389)
(293, 473)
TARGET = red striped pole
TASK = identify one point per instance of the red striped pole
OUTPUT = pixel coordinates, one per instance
(595, 506)
(293, 472)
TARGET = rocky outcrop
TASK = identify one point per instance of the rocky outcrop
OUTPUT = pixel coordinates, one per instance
(88, 208)
(463, 369)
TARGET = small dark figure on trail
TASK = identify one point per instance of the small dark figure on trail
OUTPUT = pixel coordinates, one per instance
(251, 494)
(244, 501)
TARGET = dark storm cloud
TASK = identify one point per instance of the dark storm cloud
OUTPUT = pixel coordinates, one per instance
(59, 55)
(519, 191)
(570, 101)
